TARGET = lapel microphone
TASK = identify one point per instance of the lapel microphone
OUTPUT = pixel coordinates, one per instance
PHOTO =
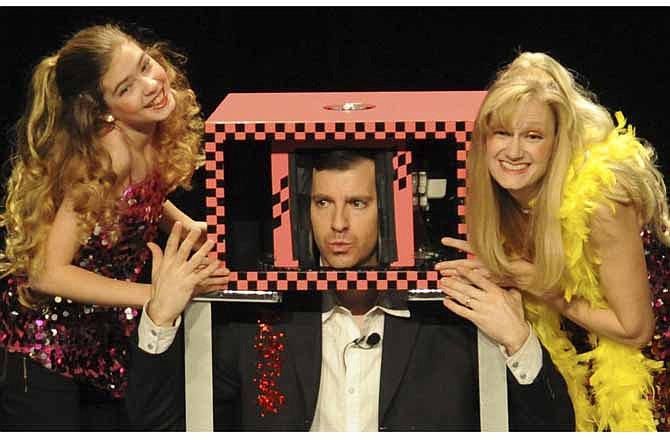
(367, 342)
(364, 342)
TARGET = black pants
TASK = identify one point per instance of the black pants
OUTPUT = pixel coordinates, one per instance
(32, 398)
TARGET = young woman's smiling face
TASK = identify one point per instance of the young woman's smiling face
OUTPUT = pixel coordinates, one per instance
(136, 88)
(518, 156)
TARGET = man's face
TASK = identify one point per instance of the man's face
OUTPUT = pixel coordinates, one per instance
(343, 213)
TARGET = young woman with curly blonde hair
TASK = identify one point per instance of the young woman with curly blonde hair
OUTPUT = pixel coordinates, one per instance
(111, 127)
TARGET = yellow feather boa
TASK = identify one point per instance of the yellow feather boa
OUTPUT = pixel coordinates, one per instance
(619, 375)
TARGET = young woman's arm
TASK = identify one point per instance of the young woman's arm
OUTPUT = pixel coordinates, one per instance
(61, 278)
(172, 214)
(623, 280)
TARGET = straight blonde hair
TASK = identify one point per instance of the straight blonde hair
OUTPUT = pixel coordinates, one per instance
(498, 230)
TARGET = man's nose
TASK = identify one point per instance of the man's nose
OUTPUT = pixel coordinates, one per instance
(340, 220)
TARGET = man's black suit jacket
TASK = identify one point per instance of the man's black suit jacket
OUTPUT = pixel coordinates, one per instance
(428, 375)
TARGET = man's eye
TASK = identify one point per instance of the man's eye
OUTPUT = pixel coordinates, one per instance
(359, 204)
(321, 203)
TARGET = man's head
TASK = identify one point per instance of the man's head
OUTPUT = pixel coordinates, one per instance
(343, 208)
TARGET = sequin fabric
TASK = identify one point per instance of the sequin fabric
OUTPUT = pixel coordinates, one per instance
(658, 265)
(269, 345)
(88, 342)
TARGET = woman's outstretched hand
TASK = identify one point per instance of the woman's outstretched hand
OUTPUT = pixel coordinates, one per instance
(450, 268)
(521, 278)
(175, 276)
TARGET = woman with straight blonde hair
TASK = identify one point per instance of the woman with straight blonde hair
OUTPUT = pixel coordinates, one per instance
(111, 126)
(557, 198)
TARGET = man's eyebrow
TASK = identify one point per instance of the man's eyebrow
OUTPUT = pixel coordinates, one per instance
(139, 63)
(365, 198)
(320, 196)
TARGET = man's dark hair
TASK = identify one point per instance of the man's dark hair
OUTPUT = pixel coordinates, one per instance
(342, 159)
(339, 159)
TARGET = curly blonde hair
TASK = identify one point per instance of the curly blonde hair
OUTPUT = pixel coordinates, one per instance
(57, 148)
(497, 228)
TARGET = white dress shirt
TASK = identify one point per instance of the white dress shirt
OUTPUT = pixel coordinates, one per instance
(348, 398)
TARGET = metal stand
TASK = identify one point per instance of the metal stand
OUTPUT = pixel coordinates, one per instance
(198, 367)
(493, 411)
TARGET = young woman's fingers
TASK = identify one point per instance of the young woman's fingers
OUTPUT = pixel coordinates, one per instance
(173, 239)
(187, 245)
(199, 277)
(156, 258)
(199, 258)
(212, 284)
(221, 271)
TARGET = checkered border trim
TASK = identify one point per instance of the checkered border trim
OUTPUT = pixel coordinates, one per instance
(280, 202)
(333, 280)
(338, 131)
(214, 198)
(463, 145)
(217, 134)
(401, 168)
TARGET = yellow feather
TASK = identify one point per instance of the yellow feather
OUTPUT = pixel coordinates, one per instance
(620, 376)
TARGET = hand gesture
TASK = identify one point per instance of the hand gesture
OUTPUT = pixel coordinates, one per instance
(522, 271)
(495, 311)
(175, 276)
(450, 268)
(218, 280)
(200, 227)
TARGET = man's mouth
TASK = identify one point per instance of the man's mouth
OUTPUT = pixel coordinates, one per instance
(338, 246)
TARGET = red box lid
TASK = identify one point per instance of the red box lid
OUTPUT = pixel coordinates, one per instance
(310, 107)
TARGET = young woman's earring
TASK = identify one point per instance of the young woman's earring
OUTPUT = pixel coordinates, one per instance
(109, 118)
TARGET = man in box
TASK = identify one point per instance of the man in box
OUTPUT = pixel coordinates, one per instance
(350, 360)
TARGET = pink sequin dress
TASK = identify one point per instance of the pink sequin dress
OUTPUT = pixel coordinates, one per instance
(83, 341)
(658, 265)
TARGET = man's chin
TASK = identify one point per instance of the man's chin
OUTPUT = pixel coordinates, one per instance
(340, 262)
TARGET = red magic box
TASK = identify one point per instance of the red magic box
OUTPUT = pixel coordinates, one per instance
(258, 180)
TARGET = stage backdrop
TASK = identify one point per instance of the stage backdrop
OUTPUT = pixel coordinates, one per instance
(621, 52)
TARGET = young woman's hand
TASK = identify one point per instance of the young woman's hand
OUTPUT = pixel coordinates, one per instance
(175, 276)
(200, 227)
(217, 281)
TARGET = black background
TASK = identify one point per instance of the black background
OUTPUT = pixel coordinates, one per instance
(620, 52)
